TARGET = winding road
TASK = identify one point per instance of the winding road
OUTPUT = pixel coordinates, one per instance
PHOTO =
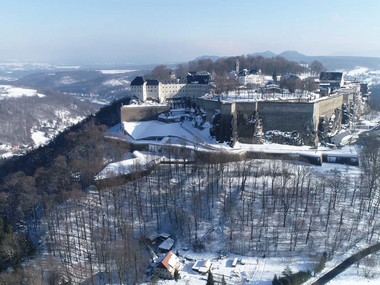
(345, 264)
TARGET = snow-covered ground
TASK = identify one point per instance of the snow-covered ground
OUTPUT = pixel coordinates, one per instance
(137, 162)
(364, 74)
(117, 82)
(9, 91)
(39, 138)
(143, 131)
(116, 71)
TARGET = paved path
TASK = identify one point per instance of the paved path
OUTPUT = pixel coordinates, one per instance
(345, 264)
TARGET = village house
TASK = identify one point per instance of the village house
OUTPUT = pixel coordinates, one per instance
(250, 76)
(166, 266)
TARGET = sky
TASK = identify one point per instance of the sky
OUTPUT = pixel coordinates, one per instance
(173, 31)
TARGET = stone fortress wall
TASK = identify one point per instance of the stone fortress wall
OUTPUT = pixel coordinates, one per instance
(134, 113)
(285, 116)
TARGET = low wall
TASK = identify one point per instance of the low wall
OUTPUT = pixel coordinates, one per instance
(131, 113)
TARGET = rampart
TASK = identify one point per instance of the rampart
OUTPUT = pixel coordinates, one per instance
(287, 116)
(134, 113)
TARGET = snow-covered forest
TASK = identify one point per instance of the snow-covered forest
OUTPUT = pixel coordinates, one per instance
(265, 208)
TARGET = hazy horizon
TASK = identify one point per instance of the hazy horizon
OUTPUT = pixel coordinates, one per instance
(133, 32)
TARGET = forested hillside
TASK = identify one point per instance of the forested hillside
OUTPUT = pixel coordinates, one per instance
(23, 116)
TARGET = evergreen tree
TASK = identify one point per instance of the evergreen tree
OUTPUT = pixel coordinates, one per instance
(176, 275)
(224, 281)
(275, 280)
(274, 76)
(210, 279)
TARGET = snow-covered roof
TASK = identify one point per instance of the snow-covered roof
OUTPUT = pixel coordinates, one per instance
(128, 166)
(151, 129)
(202, 265)
(166, 244)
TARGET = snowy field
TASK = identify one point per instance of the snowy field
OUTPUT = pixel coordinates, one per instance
(9, 91)
(116, 71)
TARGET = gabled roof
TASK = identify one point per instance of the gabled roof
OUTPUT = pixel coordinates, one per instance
(138, 81)
(168, 262)
(166, 244)
(254, 71)
(290, 76)
(199, 79)
(151, 82)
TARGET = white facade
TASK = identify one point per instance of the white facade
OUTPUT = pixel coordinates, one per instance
(168, 90)
(167, 266)
(139, 91)
(246, 76)
(251, 79)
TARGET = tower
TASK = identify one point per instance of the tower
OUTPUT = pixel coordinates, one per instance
(237, 67)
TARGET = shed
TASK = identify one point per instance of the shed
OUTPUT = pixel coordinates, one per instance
(166, 245)
(202, 266)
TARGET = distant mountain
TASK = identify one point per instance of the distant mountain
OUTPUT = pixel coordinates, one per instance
(212, 57)
(266, 54)
(294, 56)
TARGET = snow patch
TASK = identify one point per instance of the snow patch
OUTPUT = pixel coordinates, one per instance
(115, 71)
(39, 138)
(116, 82)
(9, 91)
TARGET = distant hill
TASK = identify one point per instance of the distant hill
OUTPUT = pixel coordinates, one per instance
(28, 122)
(212, 57)
(333, 62)
(330, 62)
(92, 85)
(267, 54)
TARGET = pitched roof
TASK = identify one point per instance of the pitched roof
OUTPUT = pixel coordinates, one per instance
(138, 81)
(199, 79)
(152, 82)
(166, 244)
(169, 261)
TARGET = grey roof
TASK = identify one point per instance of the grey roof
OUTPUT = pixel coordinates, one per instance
(166, 244)
(151, 82)
(138, 81)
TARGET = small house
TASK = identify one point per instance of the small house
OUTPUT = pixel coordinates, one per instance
(166, 266)
(202, 266)
(166, 245)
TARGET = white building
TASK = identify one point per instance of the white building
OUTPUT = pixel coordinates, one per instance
(166, 267)
(250, 76)
(195, 85)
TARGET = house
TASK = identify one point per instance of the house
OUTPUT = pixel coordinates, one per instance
(202, 266)
(166, 266)
(250, 76)
(166, 245)
(328, 81)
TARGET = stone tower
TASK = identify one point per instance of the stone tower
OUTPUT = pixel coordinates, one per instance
(237, 67)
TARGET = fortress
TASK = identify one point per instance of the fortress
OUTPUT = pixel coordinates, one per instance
(247, 116)
(247, 120)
